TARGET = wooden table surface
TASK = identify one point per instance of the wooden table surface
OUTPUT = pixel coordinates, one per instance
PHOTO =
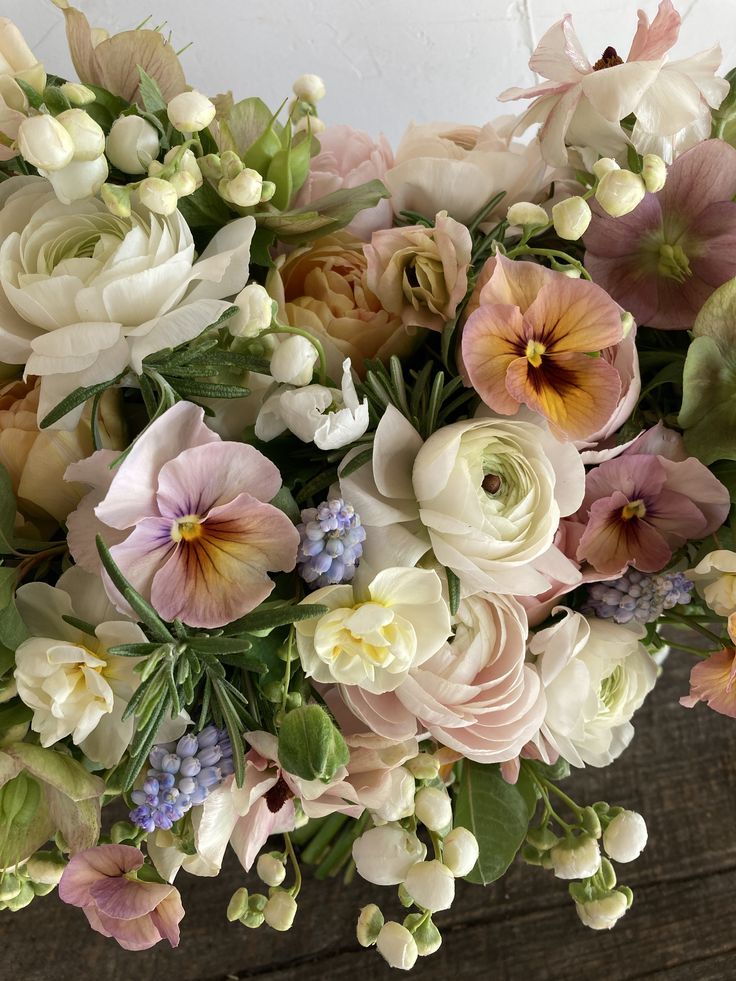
(680, 772)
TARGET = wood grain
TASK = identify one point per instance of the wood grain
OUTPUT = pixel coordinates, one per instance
(680, 772)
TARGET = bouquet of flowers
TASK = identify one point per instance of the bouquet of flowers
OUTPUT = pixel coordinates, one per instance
(349, 498)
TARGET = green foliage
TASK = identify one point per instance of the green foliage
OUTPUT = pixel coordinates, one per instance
(324, 216)
(151, 93)
(310, 744)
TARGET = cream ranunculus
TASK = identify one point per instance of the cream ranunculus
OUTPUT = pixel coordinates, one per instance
(372, 635)
(109, 292)
(596, 674)
(17, 61)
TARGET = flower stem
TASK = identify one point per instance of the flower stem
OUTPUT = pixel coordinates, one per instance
(295, 863)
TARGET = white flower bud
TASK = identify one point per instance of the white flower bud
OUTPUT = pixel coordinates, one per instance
(620, 192)
(255, 312)
(44, 143)
(78, 180)
(526, 213)
(270, 869)
(87, 136)
(158, 196)
(117, 199)
(313, 124)
(45, 868)
(245, 189)
(238, 905)
(431, 885)
(576, 858)
(625, 837)
(460, 851)
(186, 163)
(424, 766)
(384, 855)
(132, 144)
(267, 191)
(571, 218)
(190, 112)
(183, 183)
(397, 946)
(602, 914)
(369, 925)
(293, 361)
(280, 910)
(77, 94)
(654, 172)
(604, 166)
(433, 808)
(309, 88)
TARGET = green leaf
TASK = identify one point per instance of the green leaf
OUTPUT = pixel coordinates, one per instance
(141, 607)
(497, 813)
(12, 629)
(725, 471)
(209, 390)
(55, 100)
(151, 93)
(310, 744)
(453, 586)
(244, 124)
(7, 512)
(35, 98)
(708, 413)
(75, 398)
(285, 502)
(323, 216)
(234, 728)
(267, 616)
(205, 209)
(356, 462)
(106, 108)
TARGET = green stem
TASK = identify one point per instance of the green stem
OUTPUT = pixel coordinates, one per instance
(550, 254)
(313, 852)
(287, 671)
(697, 651)
(549, 810)
(295, 863)
(694, 624)
(342, 849)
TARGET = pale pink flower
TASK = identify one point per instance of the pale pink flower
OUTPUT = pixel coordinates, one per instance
(713, 681)
(117, 904)
(582, 104)
(349, 157)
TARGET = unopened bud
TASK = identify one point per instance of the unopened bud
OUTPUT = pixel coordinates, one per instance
(576, 858)
(604, 166)
(117, 199)
(526, 214)
(87, 135)
(238, 905)
(77, 94)
(270, 869)
(311, 124)
(426, 935)
(183, 183)
(158, 196)
(280, 910)
(309, 88)
(654, 172)
(424, 766)
(397, 946)
(44, 143)
(620, 192)
(625, 837)
(190, 112)
(132, 144)
(211, 166)
(571, 218)
(185, 163)
(433, 808)
(369, 925)
(431, 885)
(244, 190)
(460, 851)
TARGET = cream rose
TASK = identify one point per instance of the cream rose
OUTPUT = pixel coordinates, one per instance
(109, 292)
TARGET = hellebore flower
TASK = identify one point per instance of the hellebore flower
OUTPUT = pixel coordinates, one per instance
(530, 343)
(664, 259)
(117, 904)
(200, 533)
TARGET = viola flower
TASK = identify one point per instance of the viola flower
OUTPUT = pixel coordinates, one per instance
(643, 504)
(581, 104)
(664, 259)
(200, 535)
(117, 904)
(530, 343)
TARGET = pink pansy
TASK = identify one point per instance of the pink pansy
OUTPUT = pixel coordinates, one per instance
(714, 680)
(349, 157)
(200, 535)
(117, 904)
(664, 259)
(582, 104)
(642, 505)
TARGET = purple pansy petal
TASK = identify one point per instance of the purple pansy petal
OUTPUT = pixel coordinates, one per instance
(141, 555)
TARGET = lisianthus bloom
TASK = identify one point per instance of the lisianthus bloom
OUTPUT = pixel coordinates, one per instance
(420, 273)
(713, 680)
(84, 294)
(17, 61)
(715, 579)
(349, 157)
(134, 912)
(534, 341)
(643, 504)
(583, 104)
(374, 631)
(323, 289)
(200, 535)
(460, 168)
(37, 459)
(595, 675)
(664, 259)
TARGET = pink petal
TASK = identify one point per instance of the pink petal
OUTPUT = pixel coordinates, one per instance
(700, 177)
(492, 339)
(696, 482)
(82, 524)
(679, 304)
(574, 315)
(138, 934)
(514, 284)
(167, 916)
(712, 681)
(636, 476)
(676, 517)
(95, 865)
(559, 55)
(714, 228)
(253, 831)
(140, 556)
(610, 543)
(623, 237)
(127, 899)
(554, 130)
(655, 40)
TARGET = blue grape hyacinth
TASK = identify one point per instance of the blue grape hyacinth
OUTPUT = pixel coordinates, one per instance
(331, 543)
(182, 774)
(638, 597)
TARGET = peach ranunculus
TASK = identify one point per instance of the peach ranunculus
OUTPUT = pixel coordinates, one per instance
(37, 459)
(323, 289)
(460, 168)
(419, 273)
(349, 157)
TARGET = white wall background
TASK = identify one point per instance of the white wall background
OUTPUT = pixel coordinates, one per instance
(385, 62)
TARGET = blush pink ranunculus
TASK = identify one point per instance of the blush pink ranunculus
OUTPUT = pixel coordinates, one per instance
(199, 534)
(664, 259)
(137, 914)
(349, 157)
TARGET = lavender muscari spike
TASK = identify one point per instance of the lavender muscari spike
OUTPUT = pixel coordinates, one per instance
(638, 597)
(182, 775)
(331, 543)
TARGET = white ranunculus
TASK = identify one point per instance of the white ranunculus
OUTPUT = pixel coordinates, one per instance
(576, 858)
(384, 855)
(431, 885)
(78, 180)
(596, 674)
(111, 290)
(604, 913)
(373, 633)
(625, 837)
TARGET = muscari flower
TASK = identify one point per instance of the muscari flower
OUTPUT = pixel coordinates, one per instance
(635, 596)
(331, 543)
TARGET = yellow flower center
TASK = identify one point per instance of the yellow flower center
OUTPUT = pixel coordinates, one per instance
(534, 352)
(673, 263)
(634, 509)
(187, 529)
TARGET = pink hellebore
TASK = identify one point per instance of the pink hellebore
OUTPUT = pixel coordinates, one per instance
(582, 104)
(117, 904)
(664, 259)
(199, 533)
(642, 505)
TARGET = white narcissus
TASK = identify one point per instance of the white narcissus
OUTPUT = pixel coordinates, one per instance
(111, 291)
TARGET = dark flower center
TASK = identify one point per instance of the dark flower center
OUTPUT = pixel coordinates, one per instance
(609, 59)
(491, 483)
(278, 795)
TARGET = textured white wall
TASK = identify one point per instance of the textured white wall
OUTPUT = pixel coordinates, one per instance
(385, 62)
